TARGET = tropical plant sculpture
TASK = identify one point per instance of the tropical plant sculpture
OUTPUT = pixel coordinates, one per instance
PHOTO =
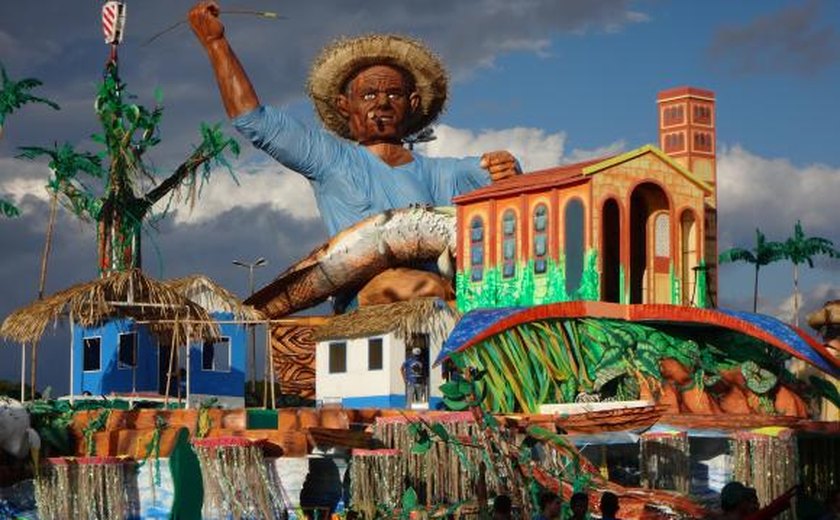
(764, 253)
(129, 132)
(801, 249)
(13, 95)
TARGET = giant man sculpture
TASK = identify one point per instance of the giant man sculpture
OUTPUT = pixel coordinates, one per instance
(370, 92)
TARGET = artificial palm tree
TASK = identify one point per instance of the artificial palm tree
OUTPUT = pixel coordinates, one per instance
(800, 249)
(13, 95)
(764, 253)
(65, 165)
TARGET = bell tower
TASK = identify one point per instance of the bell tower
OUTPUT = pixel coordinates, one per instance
(687, 135)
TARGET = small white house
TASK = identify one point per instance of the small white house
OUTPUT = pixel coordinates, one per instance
(358, 355)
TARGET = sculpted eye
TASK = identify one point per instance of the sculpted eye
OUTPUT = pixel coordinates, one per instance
(369, 96)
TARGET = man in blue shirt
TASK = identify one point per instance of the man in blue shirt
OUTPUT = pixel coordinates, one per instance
(370, 93)
(413, 372)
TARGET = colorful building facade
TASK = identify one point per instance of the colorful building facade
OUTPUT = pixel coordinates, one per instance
(638, 227)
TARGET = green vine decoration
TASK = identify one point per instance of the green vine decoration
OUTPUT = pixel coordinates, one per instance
(153, 447)
(96, 425)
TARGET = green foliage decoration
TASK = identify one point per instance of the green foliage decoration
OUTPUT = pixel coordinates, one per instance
(118, 203)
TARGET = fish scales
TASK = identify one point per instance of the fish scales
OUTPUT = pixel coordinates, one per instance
(401, 237)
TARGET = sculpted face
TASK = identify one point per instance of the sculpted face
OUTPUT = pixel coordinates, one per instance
(378, 103)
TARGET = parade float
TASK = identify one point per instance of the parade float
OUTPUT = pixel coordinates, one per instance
(583, 349)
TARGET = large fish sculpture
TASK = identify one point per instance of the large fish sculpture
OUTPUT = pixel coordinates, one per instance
(399, 237)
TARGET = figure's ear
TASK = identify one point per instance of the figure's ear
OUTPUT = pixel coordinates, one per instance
(414, 101)
(343, 105)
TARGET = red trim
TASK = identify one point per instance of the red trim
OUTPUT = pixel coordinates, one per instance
(459, 238)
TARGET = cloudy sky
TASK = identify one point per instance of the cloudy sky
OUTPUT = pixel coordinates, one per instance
(554, 81)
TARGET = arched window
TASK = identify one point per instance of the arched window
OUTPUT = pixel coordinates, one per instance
(508, 244)
(573, 246)
(540, 239)
(477, 249)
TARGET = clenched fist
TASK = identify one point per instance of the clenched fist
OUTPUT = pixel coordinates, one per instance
(500, 164)
(205, 23)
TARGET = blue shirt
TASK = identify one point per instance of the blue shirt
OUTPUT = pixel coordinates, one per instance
(350, 182)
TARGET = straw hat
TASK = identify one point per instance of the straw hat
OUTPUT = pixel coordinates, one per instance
(339, 61)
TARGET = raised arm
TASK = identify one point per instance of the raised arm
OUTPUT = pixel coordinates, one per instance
(237, 93)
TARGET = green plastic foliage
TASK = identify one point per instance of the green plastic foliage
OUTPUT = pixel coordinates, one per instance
(15, 94)
(521, 290)
(117, 204)
(825, 389)
(9, 210)
(557, 360)
(702, 288)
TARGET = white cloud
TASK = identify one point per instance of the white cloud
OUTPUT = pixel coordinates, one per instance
(534, 148)
(267, 183)
(772, 194)
(810, 299)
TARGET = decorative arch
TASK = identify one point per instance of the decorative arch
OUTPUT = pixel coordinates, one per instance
(611, 251)
(540, 248)
(477, 249)
(689, 254)
(509, 244)
(650, 244)
(573, 247)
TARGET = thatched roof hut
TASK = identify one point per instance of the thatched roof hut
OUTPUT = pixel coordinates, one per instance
(431, 315)
(120, 295)
(213, 297)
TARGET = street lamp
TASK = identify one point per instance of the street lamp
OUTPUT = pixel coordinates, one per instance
(259, 262)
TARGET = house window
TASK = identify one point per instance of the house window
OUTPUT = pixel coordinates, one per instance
(477, 249)
(338, 357)
(215, 356)
(375, 354)
(126, 350)
(574, 236)
(662, 235)
(92, 355)
(509, 244)
(540, 239)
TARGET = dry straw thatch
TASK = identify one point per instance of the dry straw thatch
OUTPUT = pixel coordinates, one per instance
(429, 315)
(339, 62)
(121, 295)
(213, 297)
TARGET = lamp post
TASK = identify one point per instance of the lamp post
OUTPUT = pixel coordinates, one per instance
(259, 262)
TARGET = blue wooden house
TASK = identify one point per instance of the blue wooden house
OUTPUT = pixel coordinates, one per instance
(121, 357)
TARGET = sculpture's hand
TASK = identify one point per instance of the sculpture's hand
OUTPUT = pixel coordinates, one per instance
(205, 23)
(500, 164)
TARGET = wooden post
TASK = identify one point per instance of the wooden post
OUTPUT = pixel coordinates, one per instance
(72, 357)
(169, 370)
(271, 363)
(189, 345)
(22, 372)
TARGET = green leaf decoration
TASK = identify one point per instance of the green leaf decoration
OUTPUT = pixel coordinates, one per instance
(825, 389)
(8, 210)
(609, 373)
(439, 430)
(759, 380)
(628, 389)
(409, 499)
(455, 405)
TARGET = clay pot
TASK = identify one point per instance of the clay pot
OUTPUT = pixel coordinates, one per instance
(788, 403)
(734, 401)
(673, 370)
(670, 397)
(697, 400)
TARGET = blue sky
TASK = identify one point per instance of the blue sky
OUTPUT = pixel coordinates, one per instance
(552, 80)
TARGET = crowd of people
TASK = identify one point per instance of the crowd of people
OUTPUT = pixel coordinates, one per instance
(737, 502)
